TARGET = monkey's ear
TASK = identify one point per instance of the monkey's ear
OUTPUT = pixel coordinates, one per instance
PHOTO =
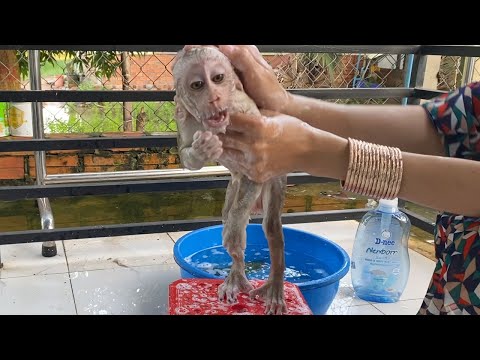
(179, 109)
(238, 84)
(180, 112)
(177, 57)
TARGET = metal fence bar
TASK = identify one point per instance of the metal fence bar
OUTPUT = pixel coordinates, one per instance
(469, 69)
(408, 75)
(355, 93)
(89, 143)
(426, 94)
(418, 76)
(86, 96)
(361, 49)
(373, 49)
(136, 175)
(149, 95)
(119, 48)
(61, 190)
(37, 113)
(30, 236)
(450, 50)
(11, 193)
(420, 221)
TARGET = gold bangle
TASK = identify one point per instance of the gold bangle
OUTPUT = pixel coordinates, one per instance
(373, 170)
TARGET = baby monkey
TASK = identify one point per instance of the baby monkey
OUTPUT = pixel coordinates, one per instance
(207, 91)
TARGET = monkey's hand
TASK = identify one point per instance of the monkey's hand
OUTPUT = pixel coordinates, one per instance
(206, 146)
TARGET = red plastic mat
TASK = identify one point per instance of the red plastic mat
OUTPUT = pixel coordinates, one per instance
(199, 297)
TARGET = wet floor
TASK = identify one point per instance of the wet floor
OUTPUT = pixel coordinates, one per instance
(131, 274)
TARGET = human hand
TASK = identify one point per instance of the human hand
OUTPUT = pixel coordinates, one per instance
(257, 77)
(263, 147)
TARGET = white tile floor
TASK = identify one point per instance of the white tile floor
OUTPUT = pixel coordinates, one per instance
(130, 275)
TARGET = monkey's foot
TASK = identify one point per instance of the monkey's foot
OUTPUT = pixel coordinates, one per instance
(272, 293)
(235, 283)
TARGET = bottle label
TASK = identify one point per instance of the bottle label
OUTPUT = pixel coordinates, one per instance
(383, 249)
(378, 257)
(382, 264)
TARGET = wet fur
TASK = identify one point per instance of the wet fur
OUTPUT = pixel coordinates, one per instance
(242, 195)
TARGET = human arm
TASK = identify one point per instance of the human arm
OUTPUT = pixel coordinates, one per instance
(405, 127)
(278, 144)
(434, 181)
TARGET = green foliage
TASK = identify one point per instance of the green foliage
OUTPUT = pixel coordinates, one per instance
(96, 118)
(105, 63)
(86, 85)
(57, 68)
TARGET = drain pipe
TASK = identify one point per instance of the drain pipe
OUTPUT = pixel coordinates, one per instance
(49, 248)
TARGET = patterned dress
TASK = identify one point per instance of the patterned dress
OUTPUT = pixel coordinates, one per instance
(455, 284)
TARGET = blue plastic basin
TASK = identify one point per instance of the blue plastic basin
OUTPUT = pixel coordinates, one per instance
(324, 256)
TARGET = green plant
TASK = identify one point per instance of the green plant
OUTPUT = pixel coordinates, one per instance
(105, 63)
(86, 85)
(57, 68)
(93, 118)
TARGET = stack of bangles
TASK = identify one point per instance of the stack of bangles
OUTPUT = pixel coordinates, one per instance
(373, 170)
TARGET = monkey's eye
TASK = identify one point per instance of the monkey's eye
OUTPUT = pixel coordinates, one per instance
(197, 85)
(218, 78)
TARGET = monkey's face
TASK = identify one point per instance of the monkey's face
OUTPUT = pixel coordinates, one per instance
(207, 86)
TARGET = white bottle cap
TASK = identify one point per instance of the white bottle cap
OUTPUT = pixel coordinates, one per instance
(388, 205)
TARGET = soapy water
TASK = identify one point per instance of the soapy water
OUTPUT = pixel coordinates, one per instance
(257, 264)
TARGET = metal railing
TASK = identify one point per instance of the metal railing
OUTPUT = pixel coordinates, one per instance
(176, 179)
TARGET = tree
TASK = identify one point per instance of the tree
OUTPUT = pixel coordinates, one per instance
(104, 63)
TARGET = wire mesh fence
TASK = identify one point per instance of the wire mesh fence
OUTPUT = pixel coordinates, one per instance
(107, 70)
(451, 74)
